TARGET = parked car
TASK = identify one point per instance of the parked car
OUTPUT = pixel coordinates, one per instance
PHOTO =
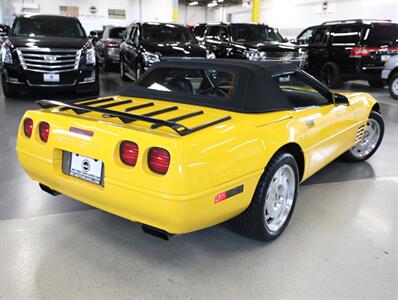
(390, 75)
(350, 50)
(194, 144)
(108, 47)
(148, 43)
(250, 41)
(44, 51)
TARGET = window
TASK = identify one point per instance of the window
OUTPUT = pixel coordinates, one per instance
(305, 36)
(199, 30)
(320, 36)
(48, 26)
(166, 33)
(117, 32)
(217, 33)
(347, 35)
(381, 34)
(205, 82)
(300, 93)
(254, 33)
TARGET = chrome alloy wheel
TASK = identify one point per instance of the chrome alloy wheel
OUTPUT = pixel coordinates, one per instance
(394, 86)
(369, 141)
(279, 198)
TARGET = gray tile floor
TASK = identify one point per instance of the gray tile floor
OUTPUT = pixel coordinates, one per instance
(341, 243)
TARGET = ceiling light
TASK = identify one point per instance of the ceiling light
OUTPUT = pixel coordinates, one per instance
(212, 4)
(220, 1)
(194, 3)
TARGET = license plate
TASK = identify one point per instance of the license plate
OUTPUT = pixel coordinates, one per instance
(51, 77)
(385, 57)
(86, 168)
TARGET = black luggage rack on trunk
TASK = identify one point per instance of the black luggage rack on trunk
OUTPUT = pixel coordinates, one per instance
(127, 117)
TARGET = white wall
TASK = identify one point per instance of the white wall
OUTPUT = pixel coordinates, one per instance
(291, 16)
(151, 10)
(192, 15)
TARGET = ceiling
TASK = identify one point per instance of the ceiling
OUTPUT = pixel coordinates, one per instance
(205, 2)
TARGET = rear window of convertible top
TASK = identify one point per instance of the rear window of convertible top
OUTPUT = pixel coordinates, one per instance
(204, 82)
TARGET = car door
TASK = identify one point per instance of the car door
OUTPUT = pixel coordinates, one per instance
(318, 52)
(329, 129)
(131, 51)
(100, 45)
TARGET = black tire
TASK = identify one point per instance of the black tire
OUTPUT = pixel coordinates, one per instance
(393, 86)
(377, 84)
(350, 157)
(330, 75)
(252, 222)
(8, 91)
(122, 72)
(92, 90)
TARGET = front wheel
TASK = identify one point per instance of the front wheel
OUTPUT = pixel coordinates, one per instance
(372, 137)
(8, 91)
(393, 86)
(330, 75)
(273, 202)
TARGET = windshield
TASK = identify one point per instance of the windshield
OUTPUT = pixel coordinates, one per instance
(167, 33)
(254, 33)
(382, 34)
(117, 32)
(49, 26)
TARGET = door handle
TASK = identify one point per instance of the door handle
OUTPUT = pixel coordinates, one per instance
(309, 123)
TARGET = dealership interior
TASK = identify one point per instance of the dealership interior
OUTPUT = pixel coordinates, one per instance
(58, 56)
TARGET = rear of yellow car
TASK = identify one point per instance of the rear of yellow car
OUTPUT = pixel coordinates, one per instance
(152, 176)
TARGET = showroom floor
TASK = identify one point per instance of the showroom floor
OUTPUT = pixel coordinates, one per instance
(342, 241)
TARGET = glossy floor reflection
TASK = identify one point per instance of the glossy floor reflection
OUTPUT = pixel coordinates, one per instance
(342, 242)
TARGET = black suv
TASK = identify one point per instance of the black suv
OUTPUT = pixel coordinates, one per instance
(45, 51)
(250, 41)
(351, 49)
(147, 43)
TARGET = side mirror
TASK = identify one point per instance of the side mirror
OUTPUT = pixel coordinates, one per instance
(340, 99)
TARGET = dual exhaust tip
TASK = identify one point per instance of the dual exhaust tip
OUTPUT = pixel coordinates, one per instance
(156, 232)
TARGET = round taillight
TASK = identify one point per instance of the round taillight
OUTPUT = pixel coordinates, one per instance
(44, 131)
(28, 127)
(159, 160)
(128, 153)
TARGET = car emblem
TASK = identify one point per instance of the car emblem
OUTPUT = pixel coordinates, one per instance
(86, 165)
(50, 57)
(284, 58)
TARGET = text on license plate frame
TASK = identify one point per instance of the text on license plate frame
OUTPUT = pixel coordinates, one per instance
(83, 167)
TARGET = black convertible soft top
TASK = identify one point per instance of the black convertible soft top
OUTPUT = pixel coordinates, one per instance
(255, 91)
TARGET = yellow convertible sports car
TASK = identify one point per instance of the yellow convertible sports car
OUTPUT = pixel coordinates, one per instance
(193, 144)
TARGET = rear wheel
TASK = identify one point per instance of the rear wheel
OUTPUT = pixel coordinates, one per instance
(371, 140)
(330, 75)
(377, 84)
(273, 202)
(393, 86)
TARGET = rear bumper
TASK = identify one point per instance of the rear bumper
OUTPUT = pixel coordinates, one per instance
(176, 214)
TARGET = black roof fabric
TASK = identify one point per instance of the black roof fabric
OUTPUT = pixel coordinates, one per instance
(255, 90)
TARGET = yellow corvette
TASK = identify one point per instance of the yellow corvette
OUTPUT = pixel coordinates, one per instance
(193, 144)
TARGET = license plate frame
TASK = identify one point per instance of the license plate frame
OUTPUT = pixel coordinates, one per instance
(51, 77)
(83, 167)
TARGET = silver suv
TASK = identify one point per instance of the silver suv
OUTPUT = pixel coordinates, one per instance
(390, 75)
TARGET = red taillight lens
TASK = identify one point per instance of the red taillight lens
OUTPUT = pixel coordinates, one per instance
(44, 131)
(112, 45)
(129, 153)
(28, 127)
(159, 160)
